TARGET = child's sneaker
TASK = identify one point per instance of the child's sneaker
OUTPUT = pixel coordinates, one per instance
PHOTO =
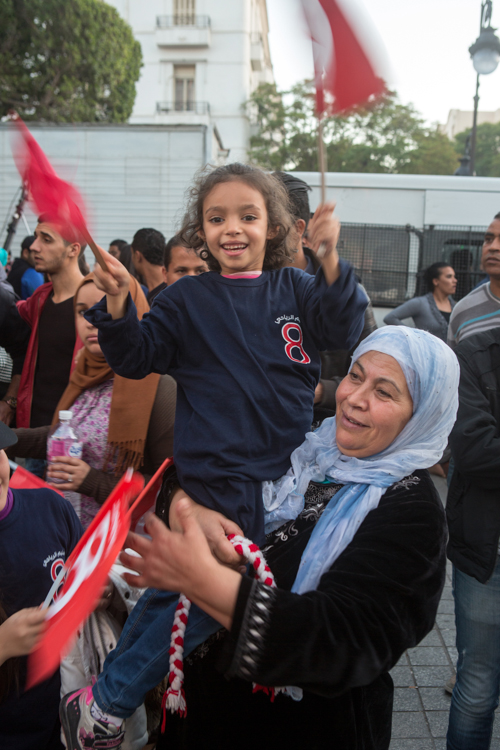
(81, 729)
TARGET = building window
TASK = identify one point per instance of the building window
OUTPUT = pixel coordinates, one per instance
(184, 12)
(184, 88)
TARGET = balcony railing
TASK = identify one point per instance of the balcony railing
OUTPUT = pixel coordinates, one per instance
(183, 19)
(189, 108)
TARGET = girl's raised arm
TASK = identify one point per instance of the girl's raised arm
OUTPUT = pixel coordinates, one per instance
(323, 230)
(115, 283)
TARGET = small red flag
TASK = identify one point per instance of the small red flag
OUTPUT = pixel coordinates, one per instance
(342, 66)
(147, 499)
(87, 570)
(53, 197)
(22, 479)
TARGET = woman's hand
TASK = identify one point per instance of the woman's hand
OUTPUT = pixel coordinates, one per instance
(324, 229)
(182, 561)
(115, 282)
(214, 525)
(71, 470)
(20, 632)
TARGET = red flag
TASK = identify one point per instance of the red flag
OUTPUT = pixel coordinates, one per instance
(56, 199)
(87, 570)
(147, 499)
(342, 66)
(25, 480)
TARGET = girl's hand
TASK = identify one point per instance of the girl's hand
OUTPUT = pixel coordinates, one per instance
(214, 525)
(116, 280)
(20, 632)
(71, 470)
(323, 230)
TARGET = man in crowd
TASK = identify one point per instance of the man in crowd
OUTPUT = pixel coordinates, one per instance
(180, 260)
(148, 248)
(480, 309)
(334, 364)
(23, 277)
(473, 512)
(115, 247)
(50, 314)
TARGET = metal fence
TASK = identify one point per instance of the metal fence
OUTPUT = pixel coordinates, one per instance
(390, 260)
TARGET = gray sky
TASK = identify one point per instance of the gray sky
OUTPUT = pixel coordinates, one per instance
(427, 44)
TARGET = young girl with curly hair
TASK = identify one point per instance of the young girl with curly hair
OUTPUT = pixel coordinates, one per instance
(243, 344)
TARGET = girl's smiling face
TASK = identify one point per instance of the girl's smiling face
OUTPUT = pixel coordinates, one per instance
(235, 226)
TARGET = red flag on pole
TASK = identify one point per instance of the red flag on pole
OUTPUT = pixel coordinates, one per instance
(54, 198)
(87, 571)
(342, 65)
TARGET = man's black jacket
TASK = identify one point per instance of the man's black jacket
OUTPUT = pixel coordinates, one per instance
(14, 332)
(473, 507)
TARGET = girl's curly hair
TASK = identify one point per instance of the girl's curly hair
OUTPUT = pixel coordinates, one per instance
(280, 249)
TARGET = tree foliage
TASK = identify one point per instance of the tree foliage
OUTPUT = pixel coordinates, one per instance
(386, 136)
(67, 61)
(487, 160)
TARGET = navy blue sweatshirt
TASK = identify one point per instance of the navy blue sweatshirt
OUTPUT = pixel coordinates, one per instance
(36, 538)
(245, 355)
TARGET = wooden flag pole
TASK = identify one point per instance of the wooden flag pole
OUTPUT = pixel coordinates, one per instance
(96, 251)
(322, 169)
(321, 158)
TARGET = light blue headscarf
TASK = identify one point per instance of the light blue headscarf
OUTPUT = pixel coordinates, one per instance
(432, 373)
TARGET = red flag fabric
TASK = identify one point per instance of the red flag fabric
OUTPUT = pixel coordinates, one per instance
(147, 499)
(87, 571)
(342, 66)
(56, 199)
(22, 479)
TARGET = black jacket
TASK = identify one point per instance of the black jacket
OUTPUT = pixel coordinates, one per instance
(338, 642)
(473, 507)
(14, 332)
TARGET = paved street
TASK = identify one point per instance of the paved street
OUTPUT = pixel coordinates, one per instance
(421, 705)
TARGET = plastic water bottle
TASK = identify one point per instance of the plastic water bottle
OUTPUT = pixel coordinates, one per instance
(63, 441)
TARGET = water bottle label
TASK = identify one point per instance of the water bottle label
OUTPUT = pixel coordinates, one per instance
(75, 450)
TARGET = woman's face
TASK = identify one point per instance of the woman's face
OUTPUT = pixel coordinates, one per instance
(446, 281)
(87, 297)
(373, 405)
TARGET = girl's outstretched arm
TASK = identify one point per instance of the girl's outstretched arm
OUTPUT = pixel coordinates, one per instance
(323, 230)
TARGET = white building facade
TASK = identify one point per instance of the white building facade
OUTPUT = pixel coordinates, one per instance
(202, 60)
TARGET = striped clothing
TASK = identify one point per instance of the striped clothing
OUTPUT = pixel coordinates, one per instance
(477, 312)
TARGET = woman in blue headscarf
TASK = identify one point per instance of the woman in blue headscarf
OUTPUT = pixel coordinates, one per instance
(357, 545)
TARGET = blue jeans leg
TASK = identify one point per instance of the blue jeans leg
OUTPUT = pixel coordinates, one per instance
(475, 696)
(141, 659)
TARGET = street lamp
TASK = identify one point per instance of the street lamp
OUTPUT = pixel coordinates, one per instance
(485, 54)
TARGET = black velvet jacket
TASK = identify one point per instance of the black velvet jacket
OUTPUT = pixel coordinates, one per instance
(338, 643)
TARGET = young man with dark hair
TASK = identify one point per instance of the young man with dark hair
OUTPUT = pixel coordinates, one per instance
(115, 248)
(148, 248)
(22, 277)
(49, 313)
(180, 260)
(479, 310)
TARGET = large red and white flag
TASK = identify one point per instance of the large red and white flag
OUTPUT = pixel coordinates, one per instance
(344, 67)
(86, 571)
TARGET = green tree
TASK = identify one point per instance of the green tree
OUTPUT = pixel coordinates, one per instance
(487, 148)
(386, 136)
(67, 61)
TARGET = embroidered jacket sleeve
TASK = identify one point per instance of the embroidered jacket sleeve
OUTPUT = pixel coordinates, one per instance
(378, 599)
(334, 315)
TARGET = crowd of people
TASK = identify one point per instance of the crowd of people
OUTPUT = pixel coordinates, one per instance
(247, 349)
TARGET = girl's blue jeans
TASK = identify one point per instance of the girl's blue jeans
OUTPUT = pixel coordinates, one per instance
(141, 659)
(475, 696)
